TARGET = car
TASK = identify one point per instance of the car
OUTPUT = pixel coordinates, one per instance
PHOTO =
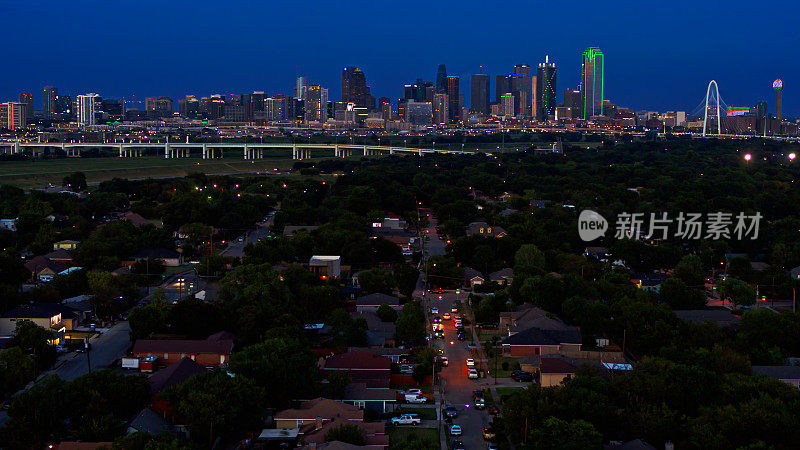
(444, 360)
(521, 376)
(491, 446)
(477, 393)
(416, 398)
(406, 369)
(470, 362)
(480, 403)
(437, 319)
(489, 434)
(5, 405)
(446, 316)
(455, 430)
(458, 324)
(438, 334)
(451, 412)
(434, 310)
(472, 374)
(458, 445)
(461, 336)
(406, 419)
(411, 391)
(453, 309)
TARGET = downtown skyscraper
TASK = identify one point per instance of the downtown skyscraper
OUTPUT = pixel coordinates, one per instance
(592, 70)
(545, 90)
(49, 95)
(354, 87)
(479, 93)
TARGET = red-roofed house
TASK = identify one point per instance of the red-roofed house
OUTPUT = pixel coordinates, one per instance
(365, 367)
(213, 351)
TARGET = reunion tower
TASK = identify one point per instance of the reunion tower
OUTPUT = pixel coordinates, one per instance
(778, 86)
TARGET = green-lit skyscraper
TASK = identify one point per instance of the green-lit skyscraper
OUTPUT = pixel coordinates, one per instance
(592, 82)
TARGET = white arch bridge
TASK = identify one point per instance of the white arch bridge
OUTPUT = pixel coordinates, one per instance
(216, 150)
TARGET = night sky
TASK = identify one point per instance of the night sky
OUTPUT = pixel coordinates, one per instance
(659, 55)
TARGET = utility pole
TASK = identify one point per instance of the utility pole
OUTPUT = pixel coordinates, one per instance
(88, 351)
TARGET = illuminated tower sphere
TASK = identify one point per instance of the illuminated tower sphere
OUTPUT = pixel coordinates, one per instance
(778, 86)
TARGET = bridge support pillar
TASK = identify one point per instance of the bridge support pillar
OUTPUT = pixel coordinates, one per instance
(17, 147)
(294, 151)
(205, 151)
(167, 151)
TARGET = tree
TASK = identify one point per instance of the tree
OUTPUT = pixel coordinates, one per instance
(148, 319)
(216, 404)
(16, 369)
(557, 434)
(338, 380)
(405, 277)
(109, 292)
(75, 181)
(690, 270)
(347, 331)
(284, 367)
(737, 291)
(680, 296)
(528, 261)
(413, 441)
(37, 414)
(410, 326)
(34, 340)
(376, 280)
(386, 313)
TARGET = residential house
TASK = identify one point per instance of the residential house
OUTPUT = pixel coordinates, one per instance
(382, 400)
(394, 354)
(326, 266)
(525, 312)
(472, 278)
(213, 351)
(795, 273)
(649, 281)
(43, 269)
(379, 333)
(135, 219)
(334, 445)
(364, 367)
(484, 229)
(374, 432)
(148, 421)
(536, 341)
(66, 245)
(169, 258)
(601, 254)
(50, 316)
(721, 317)
(551, 370)
(503, 277)
(8, 224)
(547, 322)
(372, 302)
(788, 374)
(290, 230)
(309, 412)
(174, 375)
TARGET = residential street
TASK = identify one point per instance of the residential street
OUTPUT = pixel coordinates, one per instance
(106, 348)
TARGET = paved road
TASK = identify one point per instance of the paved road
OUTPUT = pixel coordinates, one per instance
(236, 248)
(457, 387)
(106, 349)
(435, 246)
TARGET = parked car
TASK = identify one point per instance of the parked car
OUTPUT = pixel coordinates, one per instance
(434, 310)
(470, 362)
(491, 446)
(489, 434)
(411, 391)
(453, 309)
(472, 374)
(407, 419)
(493, 410)
(438, 334)
(416, 398)
(480, 403)
(461, 336)
(455, 430)
(521, 376)
(406, 369)
(437, 319)
(451, 412)
(446, 316)
(444, 360)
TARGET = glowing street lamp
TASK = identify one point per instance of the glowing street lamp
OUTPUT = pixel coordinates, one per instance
(792, 156)
(748, 157)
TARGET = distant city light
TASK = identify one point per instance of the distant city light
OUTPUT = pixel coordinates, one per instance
(792, 156)
(748, 157)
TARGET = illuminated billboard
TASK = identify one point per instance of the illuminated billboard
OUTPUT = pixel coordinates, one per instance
(737, 110)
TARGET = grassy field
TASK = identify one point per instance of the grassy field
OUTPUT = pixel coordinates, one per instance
(38, 172)
(503, 392)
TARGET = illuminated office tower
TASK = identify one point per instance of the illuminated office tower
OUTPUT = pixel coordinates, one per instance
(13, 115)
(27, 99)
(453, 99)
(592, 82)
(354, 87)
(49, 94)
(441, 113)
(545, 90)
(523, 90)
(778, 86)
(300, 88)
(479, 93)
(88, 108)
(316, 103)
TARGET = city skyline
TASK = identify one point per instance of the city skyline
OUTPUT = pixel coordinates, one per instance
(683, 66)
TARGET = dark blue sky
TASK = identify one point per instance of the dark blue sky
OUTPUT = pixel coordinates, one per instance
(659, 55)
